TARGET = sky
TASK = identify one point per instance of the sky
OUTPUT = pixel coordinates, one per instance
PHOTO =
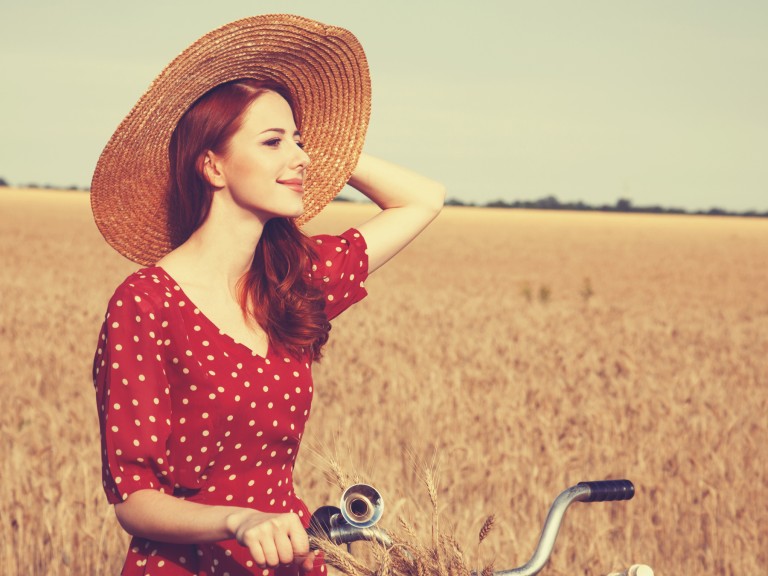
(662, 102)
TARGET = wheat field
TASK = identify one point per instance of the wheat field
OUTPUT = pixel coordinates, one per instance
(517, 352)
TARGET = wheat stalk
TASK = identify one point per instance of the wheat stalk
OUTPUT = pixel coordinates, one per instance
(486, 528)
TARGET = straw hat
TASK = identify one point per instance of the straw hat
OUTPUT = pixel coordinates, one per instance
(323, 67)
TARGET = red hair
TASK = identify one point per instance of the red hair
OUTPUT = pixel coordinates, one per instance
(277, 291)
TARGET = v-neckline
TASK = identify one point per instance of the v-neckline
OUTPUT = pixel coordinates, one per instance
(250, 350)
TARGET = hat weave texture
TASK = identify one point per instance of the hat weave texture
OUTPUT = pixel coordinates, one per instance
(323, 67)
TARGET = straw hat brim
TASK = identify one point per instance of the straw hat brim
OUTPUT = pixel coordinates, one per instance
(323, 67)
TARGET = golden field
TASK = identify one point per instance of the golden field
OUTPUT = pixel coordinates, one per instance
(527, 350)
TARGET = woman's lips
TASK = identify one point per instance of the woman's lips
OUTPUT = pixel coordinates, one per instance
(294, 184)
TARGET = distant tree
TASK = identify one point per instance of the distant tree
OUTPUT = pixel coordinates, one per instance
(3, 183)
(548, 203)
(624, 205)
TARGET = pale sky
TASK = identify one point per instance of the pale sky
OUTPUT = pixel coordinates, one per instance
(659, 101)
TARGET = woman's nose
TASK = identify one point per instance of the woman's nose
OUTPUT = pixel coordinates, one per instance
(302, 158)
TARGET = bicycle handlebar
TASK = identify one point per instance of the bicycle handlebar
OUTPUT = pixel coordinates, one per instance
(608, 490)
(595, 491)
(328, 521)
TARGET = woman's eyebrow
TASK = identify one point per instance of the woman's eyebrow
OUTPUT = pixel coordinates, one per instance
(280, 131)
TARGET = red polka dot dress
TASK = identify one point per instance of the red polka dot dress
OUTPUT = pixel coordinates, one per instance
(186, 410)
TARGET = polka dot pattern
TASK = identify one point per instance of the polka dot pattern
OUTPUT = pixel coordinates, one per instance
(187, 410)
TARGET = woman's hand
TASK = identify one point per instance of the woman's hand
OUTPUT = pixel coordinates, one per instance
(272, 539)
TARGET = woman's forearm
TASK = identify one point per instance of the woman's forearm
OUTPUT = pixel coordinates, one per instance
(409, 202)
(272, 539)
(157, 516)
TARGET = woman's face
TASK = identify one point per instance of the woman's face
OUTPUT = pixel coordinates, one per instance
(262, 169)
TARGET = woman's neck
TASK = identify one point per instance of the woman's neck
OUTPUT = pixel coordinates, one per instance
(220, 252)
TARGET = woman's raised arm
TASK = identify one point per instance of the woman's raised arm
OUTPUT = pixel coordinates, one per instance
(408, 202)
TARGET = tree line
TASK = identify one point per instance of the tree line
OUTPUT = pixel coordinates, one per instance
(621, 205)
(546, 203)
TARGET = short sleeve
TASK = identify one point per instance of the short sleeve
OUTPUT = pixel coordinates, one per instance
(341, 269)
(133, 397)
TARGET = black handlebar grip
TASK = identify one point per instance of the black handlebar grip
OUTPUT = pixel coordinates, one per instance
(320, 523)
(609, 490)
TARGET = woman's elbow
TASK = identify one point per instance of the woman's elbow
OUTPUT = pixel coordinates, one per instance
(124, 516)
(435, 199)
(131, 511)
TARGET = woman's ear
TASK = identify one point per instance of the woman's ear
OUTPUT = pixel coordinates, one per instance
(211, 169)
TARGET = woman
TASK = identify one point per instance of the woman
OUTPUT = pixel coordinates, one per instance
(203, 368)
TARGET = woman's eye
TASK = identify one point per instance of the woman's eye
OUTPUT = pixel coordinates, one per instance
(274, 142)
(300, 145)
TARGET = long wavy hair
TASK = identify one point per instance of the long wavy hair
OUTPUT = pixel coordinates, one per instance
(277, 291)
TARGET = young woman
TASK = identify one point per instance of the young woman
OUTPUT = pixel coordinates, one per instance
(203, 367)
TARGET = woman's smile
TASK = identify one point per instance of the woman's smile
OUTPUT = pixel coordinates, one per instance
(295, 184)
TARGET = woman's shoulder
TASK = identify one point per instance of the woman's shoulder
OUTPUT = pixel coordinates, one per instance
(330, 243)
(147, 285)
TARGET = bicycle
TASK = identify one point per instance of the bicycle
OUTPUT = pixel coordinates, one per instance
(361, 508)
